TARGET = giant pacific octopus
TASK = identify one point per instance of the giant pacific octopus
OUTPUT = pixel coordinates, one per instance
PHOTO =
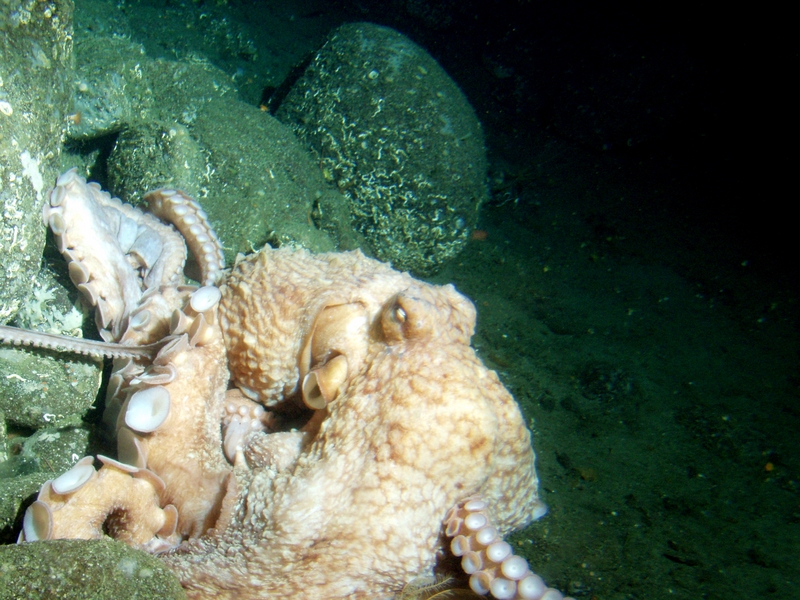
(303, 425)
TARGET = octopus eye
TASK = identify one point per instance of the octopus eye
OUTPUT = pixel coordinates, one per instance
(394, 320)
(400, 314)
(407, 318)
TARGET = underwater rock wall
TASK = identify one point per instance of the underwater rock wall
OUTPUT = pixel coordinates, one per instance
(35, 76)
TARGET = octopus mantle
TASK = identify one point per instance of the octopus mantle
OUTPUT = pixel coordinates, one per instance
(301, 430)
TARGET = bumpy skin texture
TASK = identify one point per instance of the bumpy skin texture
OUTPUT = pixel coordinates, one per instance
(422, 424)
(406, 422)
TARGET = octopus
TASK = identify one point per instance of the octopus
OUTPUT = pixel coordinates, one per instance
(299, 426)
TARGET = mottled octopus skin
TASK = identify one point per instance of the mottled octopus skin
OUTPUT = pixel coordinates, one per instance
(408, 421)
(423, 424)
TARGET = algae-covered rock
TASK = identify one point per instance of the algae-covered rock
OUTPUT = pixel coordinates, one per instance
(52, 450)
(14, 492)
(43, 397)
(117, 85)
(35, 83)
(399, 139)
(180, 124)
(38, 387)
(80, 569)
(31, 461)
(251, 175)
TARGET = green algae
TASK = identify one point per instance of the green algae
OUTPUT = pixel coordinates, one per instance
(73, 569)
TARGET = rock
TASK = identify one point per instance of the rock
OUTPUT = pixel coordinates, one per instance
(253, 177)
(398, 138)
(40, 388)
(180, 124)
(71, 569)
(35, 83)
(46, 454)
(14, 493)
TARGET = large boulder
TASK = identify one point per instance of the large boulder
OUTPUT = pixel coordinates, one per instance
(399, 139)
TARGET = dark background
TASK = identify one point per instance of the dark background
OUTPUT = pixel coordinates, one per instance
(698, 95)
